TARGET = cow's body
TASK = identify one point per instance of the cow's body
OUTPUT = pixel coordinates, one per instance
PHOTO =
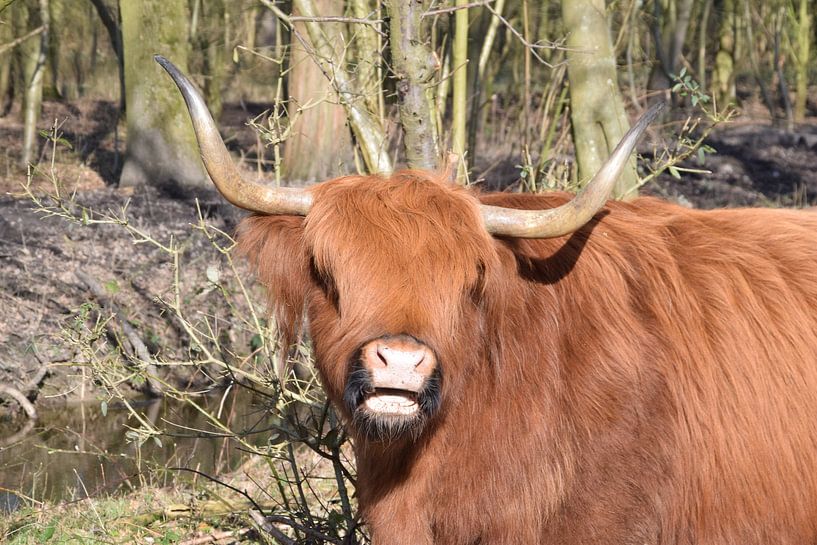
(650, 379)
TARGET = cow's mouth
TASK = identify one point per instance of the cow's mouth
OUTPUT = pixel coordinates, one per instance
(392, 402)
(385, 412)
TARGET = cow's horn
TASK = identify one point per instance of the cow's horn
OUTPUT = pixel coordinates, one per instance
(220, 166)
(571, 216)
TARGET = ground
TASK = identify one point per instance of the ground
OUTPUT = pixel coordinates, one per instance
(755, 164)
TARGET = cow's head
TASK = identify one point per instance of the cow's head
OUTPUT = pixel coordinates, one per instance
(392, 273)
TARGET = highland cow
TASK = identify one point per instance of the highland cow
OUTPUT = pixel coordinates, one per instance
(538, 369)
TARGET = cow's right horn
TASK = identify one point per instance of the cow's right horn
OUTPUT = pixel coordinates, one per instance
(220, 166)
(573, 215)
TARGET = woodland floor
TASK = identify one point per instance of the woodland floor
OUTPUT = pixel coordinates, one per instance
(756, 164)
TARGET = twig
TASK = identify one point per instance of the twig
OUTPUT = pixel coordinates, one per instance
(338, 19)
(266, 523)
(433, 12)
(532, 47)
(216, 536)
(139, 347)
(34, 382)
(219, 482)
(267, 527)
(17, 395)
(21, 39)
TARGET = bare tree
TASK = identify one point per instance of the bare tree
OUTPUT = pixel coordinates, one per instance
(110, 20)
(30, 14)
(596, 108)
(162, 147)
(414, 66)
(320, 146)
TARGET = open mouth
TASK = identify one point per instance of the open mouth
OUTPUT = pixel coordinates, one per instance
(392, 401)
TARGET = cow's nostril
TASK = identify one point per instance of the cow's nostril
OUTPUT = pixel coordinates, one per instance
(421, 358)
(382, 354)
(398, 357)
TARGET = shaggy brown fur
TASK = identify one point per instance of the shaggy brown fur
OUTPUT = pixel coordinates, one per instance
(650, 379)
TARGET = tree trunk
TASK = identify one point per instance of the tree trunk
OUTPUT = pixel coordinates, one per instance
(320, 144)
(161, 145)
(56, 11)
(414, 67)
(703, 34)
(367, 55)
(723, 75)
(367, 128)
(459, 103)
(480, 81)
(596, 108)
(208, 33)
(803, 56)
(6, 87)
(111, 22)
(29, 15)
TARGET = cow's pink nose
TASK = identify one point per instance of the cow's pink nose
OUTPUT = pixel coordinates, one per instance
(401, 357)
(398, 361)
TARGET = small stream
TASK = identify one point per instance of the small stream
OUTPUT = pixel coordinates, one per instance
(82, 450)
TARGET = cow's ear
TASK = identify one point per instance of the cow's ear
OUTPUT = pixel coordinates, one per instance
(275, 248)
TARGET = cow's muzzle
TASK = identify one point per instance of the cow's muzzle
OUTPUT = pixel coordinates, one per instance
(394, 386)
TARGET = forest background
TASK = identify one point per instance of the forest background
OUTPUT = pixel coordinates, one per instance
(117, 272)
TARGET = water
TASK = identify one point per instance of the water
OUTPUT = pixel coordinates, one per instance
(81, 451)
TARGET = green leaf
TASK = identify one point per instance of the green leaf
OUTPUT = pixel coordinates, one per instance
(112, 287)
(157, 441)
(701, 156)
(65, 143)
(48, 532)
(104, 408)
(674, 172)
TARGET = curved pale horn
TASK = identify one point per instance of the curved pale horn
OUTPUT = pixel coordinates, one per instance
(220, 166)
(573, 215)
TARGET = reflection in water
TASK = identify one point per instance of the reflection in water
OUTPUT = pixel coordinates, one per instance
(74, 452)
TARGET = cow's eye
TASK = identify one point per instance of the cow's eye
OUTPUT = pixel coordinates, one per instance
(326, 284)
(478, 288)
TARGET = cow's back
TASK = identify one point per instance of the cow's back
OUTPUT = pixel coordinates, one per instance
(688, 341)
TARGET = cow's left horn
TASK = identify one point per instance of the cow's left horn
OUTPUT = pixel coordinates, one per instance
(571, 216)
(220, 166)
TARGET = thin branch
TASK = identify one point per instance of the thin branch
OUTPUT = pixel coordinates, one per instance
(433, 12)
(267, 527)
(339, 19)
(258, 517)
(532, 46)
(220, 483)
(17, 395)
(217, 537)
(21, 39)
(139, 347)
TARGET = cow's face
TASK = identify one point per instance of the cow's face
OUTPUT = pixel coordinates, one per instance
(391, 274)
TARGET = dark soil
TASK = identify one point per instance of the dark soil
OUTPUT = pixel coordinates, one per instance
(755, 165)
